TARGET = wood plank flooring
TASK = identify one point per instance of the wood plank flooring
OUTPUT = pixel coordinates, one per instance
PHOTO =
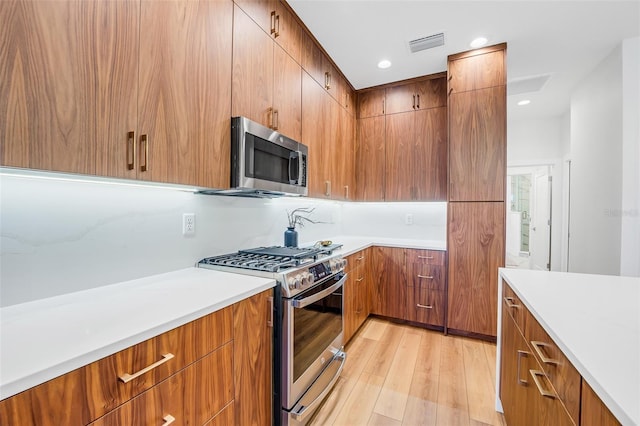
(398, 375)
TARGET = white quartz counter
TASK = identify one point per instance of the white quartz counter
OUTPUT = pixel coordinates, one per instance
(43, 339)
(351, 244)
(595, 321)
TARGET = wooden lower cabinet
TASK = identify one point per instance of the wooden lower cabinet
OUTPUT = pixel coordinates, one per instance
(389, 287)
(221, 358)
(356, 293)
(593, 410)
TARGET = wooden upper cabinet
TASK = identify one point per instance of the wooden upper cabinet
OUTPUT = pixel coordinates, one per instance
(287, 94)
(424, 94)
(371, 103)
(276, 20)
(318, 65)
(477, 145)
(49, 84)
(313, 128)
(184, 110)
(476, 251)
(477, 69)
(370, 159)
(400, 135)
(252, 83)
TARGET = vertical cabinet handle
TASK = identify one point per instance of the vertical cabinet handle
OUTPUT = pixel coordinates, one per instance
(418, 104)
(270, 320)
(346, 192)
(126, 377)
(144, 141)
(537, 346)
(273, 22)
(535, 374)
(168, 419)
(131, 150)
(450, 90)
(327, 188)
(327, 80)
(383, 105)
(277, 33)
(274, 119)
(520, 355)
(414, 101)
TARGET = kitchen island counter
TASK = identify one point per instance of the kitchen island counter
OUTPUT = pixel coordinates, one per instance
(46, 338)
(595, 321)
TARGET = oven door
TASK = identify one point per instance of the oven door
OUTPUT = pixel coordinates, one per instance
(312, 336)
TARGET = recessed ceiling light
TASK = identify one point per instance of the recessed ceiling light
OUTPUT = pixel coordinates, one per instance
(384, 64)
(524, 102)
(478, 42)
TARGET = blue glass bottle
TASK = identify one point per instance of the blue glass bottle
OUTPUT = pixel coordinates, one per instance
(291, 237)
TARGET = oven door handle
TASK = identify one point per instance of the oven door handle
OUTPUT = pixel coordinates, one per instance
(301, 303)
(301, 411)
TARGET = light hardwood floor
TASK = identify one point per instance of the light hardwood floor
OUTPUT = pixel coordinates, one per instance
(397, 374)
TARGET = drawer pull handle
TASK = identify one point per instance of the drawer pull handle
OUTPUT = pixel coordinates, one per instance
(536, 374)
(424, 306)
(426, 277)
(425, 257)
(126, 377)
(537, 346)
(360, 279)
(168, 419)
(509, 302)
(144, 141)
(360, 258)
(520, 355)
(131, 150)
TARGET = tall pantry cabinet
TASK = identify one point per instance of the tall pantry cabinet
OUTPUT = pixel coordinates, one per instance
(477, 174)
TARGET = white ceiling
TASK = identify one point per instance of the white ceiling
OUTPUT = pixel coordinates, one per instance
(565, 39)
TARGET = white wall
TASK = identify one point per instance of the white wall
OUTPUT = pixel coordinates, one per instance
(63, 236)
(630, 209)
(539, 142)
(596, 170)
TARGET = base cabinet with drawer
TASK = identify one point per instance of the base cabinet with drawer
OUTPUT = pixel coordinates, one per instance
(538, 383)
(356, 293)
(192, 374)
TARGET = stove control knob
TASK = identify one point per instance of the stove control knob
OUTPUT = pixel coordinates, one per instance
(333, 266)
(311, 278)
(344, 263)
(298, 281)
(293, 283)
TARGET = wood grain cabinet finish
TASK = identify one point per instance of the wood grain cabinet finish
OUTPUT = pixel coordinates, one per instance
(370, 159)
(425, 94)
(267, 82)
(63, 69)
(593, 411)
(319, 66)
(356, 293)
(477, 145)
(190, 397)
(477, 69)
(225, 417)
(476, 251)
(389, 285)
(371, 103)
(86, 91)
(426, 282)
(96, 389)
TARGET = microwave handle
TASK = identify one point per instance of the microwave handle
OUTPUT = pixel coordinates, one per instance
(301, 303)
(297, 155)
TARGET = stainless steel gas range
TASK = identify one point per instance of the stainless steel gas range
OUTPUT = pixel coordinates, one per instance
(308, 329)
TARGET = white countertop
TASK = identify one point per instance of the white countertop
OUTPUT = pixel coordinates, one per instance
(352, 244)
(595, 321)
(43, 339)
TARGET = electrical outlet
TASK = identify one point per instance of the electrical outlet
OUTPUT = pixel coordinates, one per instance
(408, 219)
(189, 224)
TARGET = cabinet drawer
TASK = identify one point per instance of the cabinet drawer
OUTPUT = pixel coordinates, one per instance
(355, 261)
(192, 396)
(425, 275)
(89, 392)
(425, 305)
(513, 306)
(562, 374)
(429, 257)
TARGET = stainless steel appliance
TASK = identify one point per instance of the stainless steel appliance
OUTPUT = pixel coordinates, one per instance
(266, 162)
(309, 325)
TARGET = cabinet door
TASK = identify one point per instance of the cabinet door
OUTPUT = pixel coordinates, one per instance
(313, 60)
(288, 33)
(476, 251)
(477, 145)
(400, 98)
(47, 84)
(400, 144)
(287, 94)
(184, 92)
(253, 354)
(389, 295)
(594, 412)
(343, 156)
(252, 84)
(313, 131)
(371, 103)
(263, 12)
(428, 178)
(370, 159)
(477, 71)
(431, 93)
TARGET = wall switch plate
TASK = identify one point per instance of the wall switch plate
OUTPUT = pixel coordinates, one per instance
(188, 224)
(408, 219)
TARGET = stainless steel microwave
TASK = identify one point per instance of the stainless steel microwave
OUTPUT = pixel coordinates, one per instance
(264, 160)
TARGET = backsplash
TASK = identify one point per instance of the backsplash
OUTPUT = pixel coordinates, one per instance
(60, 236)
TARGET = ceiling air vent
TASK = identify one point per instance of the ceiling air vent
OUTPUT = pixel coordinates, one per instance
(425, 43)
